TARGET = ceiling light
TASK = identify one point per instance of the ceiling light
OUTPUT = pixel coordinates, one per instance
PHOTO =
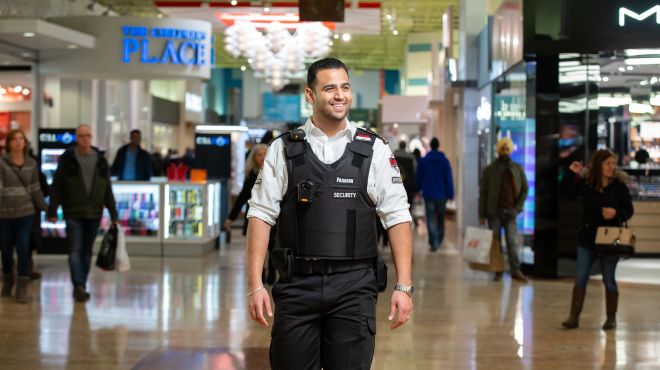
(266, 9)
(217, 128)
(640, 108)
(346, 37)
(234, 2)
(643, 82)
(18, 89)
(606, 79)
(655, 100)
(635, 52)
(330, 43)
(641, 61)
(336, 36)
(389, 16)
(613, 102)
(250, 60)
(160, 15)
(396, 125)
(243, 68)
(622, 69)
(630, 68)
(3, 91)
(564, 64)
(654, 80)
(73, 46)
(28, 34)
(26, 91)
(395, 32)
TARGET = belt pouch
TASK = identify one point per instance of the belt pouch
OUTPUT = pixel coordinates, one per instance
(380, 269)
(282, 259)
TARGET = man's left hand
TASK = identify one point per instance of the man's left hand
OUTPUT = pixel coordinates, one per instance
(403, 302)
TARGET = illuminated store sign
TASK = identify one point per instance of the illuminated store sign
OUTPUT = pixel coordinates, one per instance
(192, 51)
(194, 102)
(205, 140)
(623, 12)
(65, 138)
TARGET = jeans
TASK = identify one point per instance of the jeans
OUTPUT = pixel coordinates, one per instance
(507, 218)
(80, 235)
(586, 258)
(15, 231)
(437, 208)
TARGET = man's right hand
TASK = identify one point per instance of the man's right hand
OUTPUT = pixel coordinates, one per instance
(52, 219)
(576, 167)
(482, 221)
(256, 304)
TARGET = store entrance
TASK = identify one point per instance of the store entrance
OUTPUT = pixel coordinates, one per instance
(612, 100)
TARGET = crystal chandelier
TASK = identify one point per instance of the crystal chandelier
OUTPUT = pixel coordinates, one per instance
(277, 55)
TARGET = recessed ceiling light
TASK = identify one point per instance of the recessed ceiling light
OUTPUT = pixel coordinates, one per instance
(18, 88)
(266, 10)
(250, 60)
(26, 91)
(3, 91)
(73, 46)
(389, 16)
(336, 35)
(28, 34)
(243, 68)
(622, 69)
(234, 2)
(395, 32)
(330, 43)
(606, 79)
(630, 68)
(346, 37)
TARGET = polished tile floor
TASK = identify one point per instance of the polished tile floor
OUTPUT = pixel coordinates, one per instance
(187, 313)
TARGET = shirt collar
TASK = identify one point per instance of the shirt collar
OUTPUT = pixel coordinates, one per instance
(311, 129)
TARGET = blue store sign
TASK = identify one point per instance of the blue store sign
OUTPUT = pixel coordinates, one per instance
(191, 51)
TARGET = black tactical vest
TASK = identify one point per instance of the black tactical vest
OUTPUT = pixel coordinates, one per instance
(340, 222)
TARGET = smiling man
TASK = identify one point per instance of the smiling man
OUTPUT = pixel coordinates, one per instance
(328, 182)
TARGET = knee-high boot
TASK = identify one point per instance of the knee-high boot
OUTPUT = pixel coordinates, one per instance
(576, 308)
(611, 305)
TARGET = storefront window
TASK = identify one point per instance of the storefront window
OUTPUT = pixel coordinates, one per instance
(510, 120)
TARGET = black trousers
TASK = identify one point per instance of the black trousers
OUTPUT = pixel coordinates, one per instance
(325, 321)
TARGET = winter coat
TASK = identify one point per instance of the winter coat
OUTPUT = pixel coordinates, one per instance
(433, 176)
(616, 195)
(142, 164)
(491, 182)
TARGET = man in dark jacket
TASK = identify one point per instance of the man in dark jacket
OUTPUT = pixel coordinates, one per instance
(132, 163)
(502, 193)
(407, 164)
(81, 170)
(434, 180)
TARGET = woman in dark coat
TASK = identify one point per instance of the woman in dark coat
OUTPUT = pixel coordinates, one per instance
(606, 201)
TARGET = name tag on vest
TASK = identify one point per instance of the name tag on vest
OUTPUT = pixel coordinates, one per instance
(344, 180)
(344, 195)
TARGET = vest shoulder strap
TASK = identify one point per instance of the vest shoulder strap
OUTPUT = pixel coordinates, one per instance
(293, 148)
(363, 143)
(371, 132)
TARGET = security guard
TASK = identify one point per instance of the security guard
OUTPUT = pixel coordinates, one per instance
(328, 183)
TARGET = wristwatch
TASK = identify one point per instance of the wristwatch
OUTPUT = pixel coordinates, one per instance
(408, 289)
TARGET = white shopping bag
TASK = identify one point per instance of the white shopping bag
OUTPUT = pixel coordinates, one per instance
(477, 245)
(122, 263)
(418, 209)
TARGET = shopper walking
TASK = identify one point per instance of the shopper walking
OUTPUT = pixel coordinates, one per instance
(254, 162)
(606, 201)
(433, 179)
(156, 163)
(407, 164)
(502, 193)
(132, 163)
(81, 184)
(19, 193)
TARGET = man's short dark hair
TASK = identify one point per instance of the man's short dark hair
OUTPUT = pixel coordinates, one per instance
(136, 132)
(320, 65)
(402, 144)
(435, 144)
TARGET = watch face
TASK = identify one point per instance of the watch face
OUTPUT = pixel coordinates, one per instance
(412, 289)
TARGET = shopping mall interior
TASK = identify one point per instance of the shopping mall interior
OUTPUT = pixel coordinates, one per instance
(198, 89)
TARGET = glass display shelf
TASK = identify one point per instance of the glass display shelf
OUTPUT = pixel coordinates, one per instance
(185, 212)
(138, 209)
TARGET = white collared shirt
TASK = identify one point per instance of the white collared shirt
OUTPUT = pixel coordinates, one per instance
(386, 192)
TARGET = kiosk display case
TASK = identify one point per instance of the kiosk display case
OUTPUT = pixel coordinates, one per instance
(138, 208)
(191, 218)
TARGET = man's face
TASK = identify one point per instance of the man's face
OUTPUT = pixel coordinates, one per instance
(504, 152)
(331, 96)
(135, 139)
(84, 136)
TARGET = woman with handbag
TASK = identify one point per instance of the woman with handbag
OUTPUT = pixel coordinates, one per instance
(19, 193)
(606, 201)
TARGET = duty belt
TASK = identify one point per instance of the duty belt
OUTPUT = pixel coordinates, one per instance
(325, 267)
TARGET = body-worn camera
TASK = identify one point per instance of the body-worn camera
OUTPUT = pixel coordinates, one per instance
(305, 191)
